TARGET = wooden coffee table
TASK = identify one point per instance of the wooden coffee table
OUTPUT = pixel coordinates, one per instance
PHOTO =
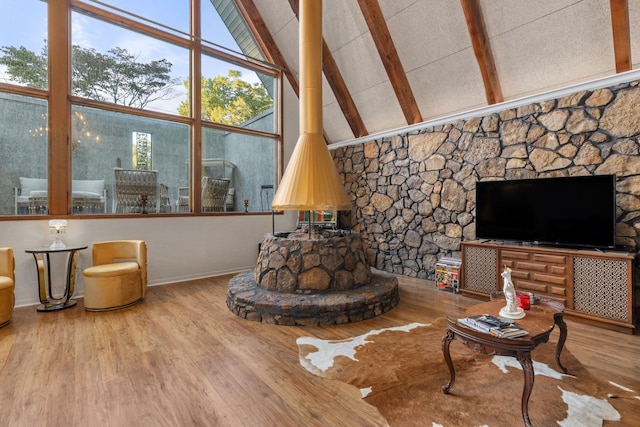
(539, 321)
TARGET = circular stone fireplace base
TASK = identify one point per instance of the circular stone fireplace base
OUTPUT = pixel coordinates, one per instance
(251, 302)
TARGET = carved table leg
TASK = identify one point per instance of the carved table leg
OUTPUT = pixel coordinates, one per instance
(446, 342)
(559, 320)
(527, 367)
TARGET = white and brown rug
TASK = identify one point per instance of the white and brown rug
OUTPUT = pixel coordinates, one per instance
(401, 372)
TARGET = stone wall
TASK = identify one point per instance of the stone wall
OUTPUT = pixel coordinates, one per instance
(413, 195)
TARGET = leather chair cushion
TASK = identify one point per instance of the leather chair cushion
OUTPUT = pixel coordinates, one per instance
(111, 270)
(5, 282)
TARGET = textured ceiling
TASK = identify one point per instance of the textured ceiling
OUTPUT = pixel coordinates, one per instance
(430, 66)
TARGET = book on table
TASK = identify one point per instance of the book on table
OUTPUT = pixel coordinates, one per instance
(493, 325)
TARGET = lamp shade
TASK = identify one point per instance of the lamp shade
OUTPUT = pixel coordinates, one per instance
(311, 180)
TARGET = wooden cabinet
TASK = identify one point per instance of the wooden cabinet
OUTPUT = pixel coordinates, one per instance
(595, 287)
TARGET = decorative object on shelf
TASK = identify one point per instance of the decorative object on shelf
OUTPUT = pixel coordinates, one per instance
(511, 310)
(56, 229)
(245, 202)
(524, 300)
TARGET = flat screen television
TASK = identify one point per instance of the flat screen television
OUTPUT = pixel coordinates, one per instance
(569, 211)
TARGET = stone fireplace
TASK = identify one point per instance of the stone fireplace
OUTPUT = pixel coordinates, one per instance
(318, 278)
(311, 276)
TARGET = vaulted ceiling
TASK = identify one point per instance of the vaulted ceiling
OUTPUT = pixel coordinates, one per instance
(392, 63)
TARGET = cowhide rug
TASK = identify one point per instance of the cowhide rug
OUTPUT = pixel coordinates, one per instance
(401, 371)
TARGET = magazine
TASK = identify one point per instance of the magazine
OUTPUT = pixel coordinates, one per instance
(493, 325)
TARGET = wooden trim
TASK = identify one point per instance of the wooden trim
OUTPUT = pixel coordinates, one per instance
(263, 37)
(482, 50)
(59, 108)
(391, 60)
(621, 34)
(130, 24)
(341, 93)
(195, 151)
(253, 65)
(78, 100)
(24, 90)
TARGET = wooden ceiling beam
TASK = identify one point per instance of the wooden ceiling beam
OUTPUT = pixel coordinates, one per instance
(482, 50)
(391, 60)
(338, 85)
(263, 37)
(621, 34)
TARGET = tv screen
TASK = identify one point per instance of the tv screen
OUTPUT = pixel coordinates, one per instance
(568, 211)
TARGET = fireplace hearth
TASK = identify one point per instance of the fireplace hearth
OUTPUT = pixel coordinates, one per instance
(318, 278)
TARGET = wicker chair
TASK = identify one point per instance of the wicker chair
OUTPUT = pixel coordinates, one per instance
(165, 202)
(131, 187)
(214, 193)
(183, 204)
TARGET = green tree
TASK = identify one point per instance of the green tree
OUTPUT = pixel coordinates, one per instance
(26, 67)
(115, 76)
(230, 100)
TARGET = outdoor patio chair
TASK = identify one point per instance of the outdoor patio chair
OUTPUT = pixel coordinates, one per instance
(132, 187)
(214, 194)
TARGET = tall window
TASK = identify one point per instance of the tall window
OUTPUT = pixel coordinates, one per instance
(133, 108)
(141, 151)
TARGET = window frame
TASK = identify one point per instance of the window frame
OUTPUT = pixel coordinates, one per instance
(60, 100)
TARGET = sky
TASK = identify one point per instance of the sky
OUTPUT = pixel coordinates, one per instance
(24, 23)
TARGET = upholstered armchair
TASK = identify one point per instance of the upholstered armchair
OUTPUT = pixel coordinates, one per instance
(7, 285)
(118, 276)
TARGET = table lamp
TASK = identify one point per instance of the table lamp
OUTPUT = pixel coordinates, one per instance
(56, 229)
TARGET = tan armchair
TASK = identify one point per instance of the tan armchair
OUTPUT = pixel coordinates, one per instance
(118, 277)
(7, 285)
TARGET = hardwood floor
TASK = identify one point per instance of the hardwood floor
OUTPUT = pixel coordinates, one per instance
(181, 358)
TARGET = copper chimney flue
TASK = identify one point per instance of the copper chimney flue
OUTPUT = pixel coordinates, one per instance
(311, 180)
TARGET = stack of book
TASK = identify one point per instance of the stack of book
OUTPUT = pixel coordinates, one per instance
(493, 325)
(448, 274)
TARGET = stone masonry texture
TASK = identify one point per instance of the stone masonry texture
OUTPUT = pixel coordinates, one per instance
(413, 195)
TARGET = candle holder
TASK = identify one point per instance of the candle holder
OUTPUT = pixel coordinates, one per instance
(245, 202)
(143, 203)
(57, 229)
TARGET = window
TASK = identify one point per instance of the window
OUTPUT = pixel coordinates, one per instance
(124, 67)
(23, 148)
(141, 151)
(172, 16)
(23, 47)
(132, 109)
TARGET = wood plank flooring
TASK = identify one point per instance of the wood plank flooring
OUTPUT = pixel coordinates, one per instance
(181, 358)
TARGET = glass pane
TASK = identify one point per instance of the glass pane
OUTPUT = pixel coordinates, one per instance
(237, 96)
(23, 43)
(113, 64)
(23, 150)
(219, 19)
(249, 164)
(106, 144)
(173, 14)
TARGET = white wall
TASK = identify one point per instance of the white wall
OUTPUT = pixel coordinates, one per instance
(179, 248)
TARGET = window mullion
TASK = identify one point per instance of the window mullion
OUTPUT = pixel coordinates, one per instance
(59, 154)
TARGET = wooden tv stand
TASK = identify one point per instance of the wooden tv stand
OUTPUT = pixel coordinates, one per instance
(595, 287)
